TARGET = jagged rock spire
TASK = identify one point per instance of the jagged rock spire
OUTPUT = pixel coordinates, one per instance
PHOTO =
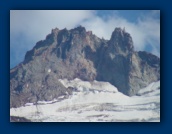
(77, 53)
(122, 41)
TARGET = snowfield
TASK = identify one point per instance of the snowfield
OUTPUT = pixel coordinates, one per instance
(95, 102)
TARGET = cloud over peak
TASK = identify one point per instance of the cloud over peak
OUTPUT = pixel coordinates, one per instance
(29, 26)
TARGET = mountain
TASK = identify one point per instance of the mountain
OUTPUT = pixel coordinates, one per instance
(77, 53)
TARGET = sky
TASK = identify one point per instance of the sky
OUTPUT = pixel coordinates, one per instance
(30, 26)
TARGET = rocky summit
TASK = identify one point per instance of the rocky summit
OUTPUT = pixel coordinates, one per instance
(77, 53)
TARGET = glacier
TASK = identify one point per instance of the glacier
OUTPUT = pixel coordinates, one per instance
(95, 101)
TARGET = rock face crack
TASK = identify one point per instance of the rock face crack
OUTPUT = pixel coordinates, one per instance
(78, 53)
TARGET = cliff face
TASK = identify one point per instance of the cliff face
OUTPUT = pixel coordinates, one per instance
(78, 53)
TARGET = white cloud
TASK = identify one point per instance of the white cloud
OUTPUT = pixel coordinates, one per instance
(145, 31)
(36, 24)
(29, 26)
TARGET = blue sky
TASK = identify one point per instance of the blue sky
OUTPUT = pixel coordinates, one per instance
(29, 26)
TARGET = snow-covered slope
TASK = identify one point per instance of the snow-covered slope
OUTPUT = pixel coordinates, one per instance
(96, 101)
(87, 86)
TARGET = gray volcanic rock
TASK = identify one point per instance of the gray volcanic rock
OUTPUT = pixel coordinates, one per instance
(78, 53)
(18, 119)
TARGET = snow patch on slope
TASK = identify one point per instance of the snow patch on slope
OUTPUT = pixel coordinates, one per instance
(86, 85)
(96, 102)
(153, 88)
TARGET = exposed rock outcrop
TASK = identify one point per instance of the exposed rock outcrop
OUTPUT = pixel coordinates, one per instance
(18, 119)
(78, 53)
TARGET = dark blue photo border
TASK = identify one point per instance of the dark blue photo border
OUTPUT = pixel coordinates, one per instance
(85, 128)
